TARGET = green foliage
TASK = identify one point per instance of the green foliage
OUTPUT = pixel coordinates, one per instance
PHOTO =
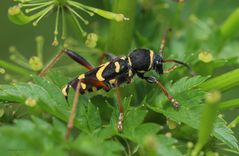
(190, 98)
(34, 113)
(49, 99)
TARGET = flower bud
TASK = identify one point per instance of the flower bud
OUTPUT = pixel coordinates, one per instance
(31, 102)
(213, 96)
(2, 71)
(35, 63)
(17, 16)
(171, 124)
(205, 57)
(91, 40)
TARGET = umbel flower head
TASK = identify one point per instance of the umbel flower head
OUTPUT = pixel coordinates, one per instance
(35, 10)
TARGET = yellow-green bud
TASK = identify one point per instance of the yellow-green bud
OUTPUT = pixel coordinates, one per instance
(205, 57)
(108, 14)
(213, 97)
(13, 57)
(7, 77)
(91, 40)
(120, 17)
(39, 39)
(31, 102)
(168, 134)
(2, 71)
(171, 124)
(12, 49)
(17, 16)
(35, 63)
(189, 145)
(55, 43)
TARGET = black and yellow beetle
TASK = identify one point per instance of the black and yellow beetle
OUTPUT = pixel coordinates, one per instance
(115, 72)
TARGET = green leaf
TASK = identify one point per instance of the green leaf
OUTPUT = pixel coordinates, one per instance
(30, 138)
(90, 145)
(160, 146)
(93, 117)
(166, 146)
(190, 98)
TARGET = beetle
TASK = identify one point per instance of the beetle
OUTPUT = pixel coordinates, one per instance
(112, 74)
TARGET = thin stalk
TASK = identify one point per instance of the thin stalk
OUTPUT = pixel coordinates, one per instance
(63, 35)
(79, 6)
(34, 4)
(222, 82)
(38, 7)
(78, 15)
(56, 24)
(44, 12)
(39, 48)
(78, 24)
(19, 61)
(14, 68)
(229, 104)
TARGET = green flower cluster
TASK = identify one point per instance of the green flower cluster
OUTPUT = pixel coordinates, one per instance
(35, 10)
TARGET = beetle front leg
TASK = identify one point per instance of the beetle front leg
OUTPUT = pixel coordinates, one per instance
(153, 80)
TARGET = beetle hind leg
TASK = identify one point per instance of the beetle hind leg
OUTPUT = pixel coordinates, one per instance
(70, 123)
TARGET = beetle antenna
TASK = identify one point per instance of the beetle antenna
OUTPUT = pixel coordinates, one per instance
(163, 42)
(182, 63)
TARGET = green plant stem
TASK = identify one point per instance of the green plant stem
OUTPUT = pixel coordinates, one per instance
(208, 117)
(39, 49)
(230, 27)
(120, 36)
(14, 68)
(222, 82)
(229, 104)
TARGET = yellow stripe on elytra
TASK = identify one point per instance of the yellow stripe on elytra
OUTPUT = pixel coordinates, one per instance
(83, 85)
(100, 72)
(151, 54)
(112, 81)
(130, 63)
(117, 67)
(64, 91)
(130, 71)
(141, 71)
(82, 76)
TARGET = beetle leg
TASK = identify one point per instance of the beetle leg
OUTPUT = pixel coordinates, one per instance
(76, 57)
(52, 62)
(106, 55)
(121, 110)
(70, 123)
(79, 59)
(155, 81)
(163, 42)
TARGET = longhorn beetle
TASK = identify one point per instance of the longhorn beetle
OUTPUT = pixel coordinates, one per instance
(113, 73)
